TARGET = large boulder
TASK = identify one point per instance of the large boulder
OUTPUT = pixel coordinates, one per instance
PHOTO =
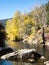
(28, 55)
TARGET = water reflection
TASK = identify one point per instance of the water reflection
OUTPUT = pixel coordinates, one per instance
(5, 62)
(17, 45)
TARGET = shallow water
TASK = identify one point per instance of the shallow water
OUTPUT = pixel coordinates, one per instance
(20, 45)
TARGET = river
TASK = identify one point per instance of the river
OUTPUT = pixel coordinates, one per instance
(21, 45)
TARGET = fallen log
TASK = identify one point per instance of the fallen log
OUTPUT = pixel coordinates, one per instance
(29, 55)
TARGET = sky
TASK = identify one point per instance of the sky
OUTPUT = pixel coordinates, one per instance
(9, 7)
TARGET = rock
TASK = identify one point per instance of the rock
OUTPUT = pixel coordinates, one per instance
(29, 55)
(46, 63)
(5, 51)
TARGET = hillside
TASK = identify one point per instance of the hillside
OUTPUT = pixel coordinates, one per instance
(4, 21)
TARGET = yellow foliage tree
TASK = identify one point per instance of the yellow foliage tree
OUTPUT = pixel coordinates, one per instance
(19, 26)
(12, 27)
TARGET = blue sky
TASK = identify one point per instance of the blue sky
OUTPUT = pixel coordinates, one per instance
(9, 7)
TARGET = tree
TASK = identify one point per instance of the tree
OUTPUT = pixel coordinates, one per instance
(12, 27)
(28, 23)
(39, 16)
(47, 10)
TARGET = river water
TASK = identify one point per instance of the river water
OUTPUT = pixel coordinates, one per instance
(21, 45)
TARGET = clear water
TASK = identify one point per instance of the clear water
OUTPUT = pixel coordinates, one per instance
(5, 62)
(20, 45)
